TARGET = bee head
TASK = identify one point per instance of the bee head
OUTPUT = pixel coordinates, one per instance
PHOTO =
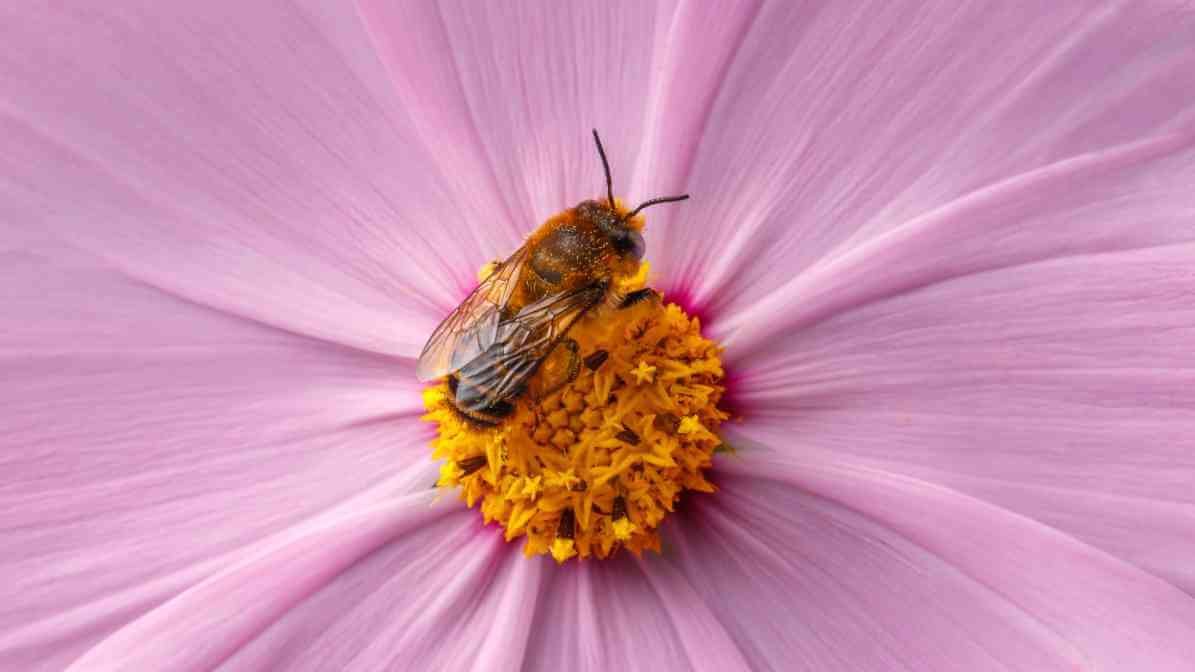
(625, 239)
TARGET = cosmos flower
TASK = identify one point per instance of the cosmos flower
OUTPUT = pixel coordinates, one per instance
(947, 249)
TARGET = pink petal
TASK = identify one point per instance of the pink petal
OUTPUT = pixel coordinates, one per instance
(145, 439)
(449, 596)
(1061, 390)
(252, 158)
(375, 589)
(838, 122)
(813, 565)
(626, 615)
(1121, 198)
(515, 89)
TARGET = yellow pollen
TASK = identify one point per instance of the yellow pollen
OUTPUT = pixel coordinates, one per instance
(623, 529)
(599, 461)
(644, 373)
(563, 549)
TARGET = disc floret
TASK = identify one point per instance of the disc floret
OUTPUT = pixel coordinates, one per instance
(598, 463)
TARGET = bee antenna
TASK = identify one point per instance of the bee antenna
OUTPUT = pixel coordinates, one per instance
(606, 166)
(655, 201)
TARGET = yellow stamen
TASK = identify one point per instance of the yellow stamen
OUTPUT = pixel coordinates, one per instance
(598, 463)
(563, 549)
(623, 529)
(644, 373)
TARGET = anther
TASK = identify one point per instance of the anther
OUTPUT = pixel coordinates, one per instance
(619, 510)
(567, 529)
(623, 527)
(471, 464)
(594, 361)
(667, 422)
(628, 436)
(579, 486)
(563, 547)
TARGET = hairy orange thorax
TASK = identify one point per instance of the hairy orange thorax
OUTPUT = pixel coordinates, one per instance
(575, 248)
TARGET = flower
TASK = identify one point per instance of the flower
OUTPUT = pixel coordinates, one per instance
(946, 247)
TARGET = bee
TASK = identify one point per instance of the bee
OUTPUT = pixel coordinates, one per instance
(501, 334)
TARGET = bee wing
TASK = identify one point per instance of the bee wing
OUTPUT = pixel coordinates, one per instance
(472, 328)
(522, 343)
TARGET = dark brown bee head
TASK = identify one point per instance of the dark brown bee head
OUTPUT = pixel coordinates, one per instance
(592, 242)
(624, 238)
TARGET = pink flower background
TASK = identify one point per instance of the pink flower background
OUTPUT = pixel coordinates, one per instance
(949, 248)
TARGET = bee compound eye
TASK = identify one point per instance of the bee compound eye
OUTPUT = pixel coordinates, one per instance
(636, 245)
(630, 243)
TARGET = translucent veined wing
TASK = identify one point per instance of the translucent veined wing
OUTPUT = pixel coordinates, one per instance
(473, 327)
(522, 343)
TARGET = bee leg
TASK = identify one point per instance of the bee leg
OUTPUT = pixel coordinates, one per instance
(559, 368)
(637, 296)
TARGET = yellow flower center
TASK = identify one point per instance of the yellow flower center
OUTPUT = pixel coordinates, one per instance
(594, 462)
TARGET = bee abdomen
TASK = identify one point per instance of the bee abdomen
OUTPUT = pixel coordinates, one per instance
(471, 402)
